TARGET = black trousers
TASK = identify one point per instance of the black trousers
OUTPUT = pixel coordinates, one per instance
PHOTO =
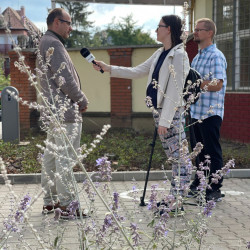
(208, 133)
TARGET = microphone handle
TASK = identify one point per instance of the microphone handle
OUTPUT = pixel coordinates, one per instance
(101, 70)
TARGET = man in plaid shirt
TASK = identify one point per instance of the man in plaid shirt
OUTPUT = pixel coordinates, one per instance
(210, 63)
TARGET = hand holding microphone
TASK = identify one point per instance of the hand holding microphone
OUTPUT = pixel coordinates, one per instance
(99, 64)
(90, 58)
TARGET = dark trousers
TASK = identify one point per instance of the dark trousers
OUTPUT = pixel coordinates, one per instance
(208, 133)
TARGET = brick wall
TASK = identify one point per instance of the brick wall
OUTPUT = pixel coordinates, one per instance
(121, 89)
(192, 49)
(20, 81)
(236, 123)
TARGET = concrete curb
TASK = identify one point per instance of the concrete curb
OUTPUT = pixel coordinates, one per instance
(117, 176)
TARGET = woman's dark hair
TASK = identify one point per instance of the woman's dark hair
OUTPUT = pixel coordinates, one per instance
(175, 24)
(57, 12)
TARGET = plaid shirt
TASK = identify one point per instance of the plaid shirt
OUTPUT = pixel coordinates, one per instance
(210, 61)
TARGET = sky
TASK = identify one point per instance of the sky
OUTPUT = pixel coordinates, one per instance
(146, 16)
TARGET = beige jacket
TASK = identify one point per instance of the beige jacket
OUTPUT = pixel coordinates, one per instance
(170, 89)
(72, 87)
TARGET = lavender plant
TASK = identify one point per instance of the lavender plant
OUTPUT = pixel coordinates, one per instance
(56, 118)
(113, 227)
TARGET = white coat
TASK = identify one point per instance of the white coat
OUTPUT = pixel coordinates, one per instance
(170, 86)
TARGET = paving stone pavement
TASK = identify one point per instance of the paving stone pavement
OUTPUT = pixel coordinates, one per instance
(229, 226)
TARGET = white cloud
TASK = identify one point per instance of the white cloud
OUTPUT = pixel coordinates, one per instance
(147, 16)
(41, 25)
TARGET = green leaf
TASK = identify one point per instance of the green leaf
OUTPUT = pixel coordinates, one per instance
(56, 241)
(151, 224)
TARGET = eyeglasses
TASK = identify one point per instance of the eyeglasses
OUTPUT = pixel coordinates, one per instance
(198, 30)
(64, 21)
(159, 26)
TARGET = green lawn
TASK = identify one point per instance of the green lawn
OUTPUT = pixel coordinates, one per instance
(127, 149)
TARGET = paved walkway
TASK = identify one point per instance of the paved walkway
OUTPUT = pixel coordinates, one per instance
(229, 226)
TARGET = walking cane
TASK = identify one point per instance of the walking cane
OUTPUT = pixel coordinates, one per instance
(149, 166)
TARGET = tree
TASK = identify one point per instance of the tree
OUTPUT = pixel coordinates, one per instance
(4, 81)
(1, 21)
(100, 38)
(125, 32)
(80, 36)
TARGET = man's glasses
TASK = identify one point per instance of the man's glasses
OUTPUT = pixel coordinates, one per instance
(64, 21)
(198, 30)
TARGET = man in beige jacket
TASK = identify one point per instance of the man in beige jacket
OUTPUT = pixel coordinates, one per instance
(66, 100)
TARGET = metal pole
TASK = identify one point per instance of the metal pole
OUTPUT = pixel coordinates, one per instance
(234, 46)
(10, 115)
(149, 167)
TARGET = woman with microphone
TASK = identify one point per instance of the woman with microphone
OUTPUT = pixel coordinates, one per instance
(164, 95)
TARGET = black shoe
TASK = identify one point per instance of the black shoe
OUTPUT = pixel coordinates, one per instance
(193, 192)
(164, 207)
(214, 195)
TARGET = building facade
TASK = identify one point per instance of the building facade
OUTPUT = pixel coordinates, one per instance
(17, 22)
(232, 18)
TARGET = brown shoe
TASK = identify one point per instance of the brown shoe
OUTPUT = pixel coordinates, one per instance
(48, 209)
(66, 214)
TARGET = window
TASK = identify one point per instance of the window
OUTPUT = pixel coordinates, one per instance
(244, 62)
(232, 19)
(226, 46)
(224, 16)
(244, 12)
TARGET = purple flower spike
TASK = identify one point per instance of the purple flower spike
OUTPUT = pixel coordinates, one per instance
(248, 245)
(108, 222)
(208, 208)
(160, 230)
(115, 204)
(134, 233)
(100, 161)
(152, 204)
(73, 207)
(104, 169)
(22, 208)
(11, 224)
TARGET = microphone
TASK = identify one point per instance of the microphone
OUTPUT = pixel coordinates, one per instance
(89, 57)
